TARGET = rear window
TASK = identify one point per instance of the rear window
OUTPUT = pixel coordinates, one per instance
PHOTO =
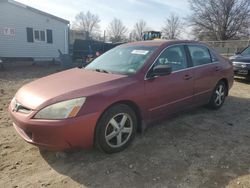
(200, 55)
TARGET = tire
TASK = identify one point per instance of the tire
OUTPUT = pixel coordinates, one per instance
(116, 129)
(218, 97)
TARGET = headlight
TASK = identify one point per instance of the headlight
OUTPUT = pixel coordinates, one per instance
(61, 110)
(1, 61)
(241, 64)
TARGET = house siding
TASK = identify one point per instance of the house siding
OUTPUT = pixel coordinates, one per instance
(20, 18)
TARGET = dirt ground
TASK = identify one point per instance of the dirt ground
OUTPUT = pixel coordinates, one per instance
(199, 148)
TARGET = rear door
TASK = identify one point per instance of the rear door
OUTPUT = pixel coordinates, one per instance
(207, 70)
(171, 93)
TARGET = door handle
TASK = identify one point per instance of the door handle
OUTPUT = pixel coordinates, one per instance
(187, 77)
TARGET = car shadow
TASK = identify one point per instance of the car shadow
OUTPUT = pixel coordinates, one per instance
(243, 80)
(198, 148)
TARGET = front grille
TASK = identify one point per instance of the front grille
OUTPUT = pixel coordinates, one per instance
(241, 65)
(18, 107)
(238, 65)
(24, 110)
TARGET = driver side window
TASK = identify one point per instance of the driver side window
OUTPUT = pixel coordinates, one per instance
(175, 57)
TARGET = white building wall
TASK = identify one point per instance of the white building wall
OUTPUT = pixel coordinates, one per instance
(19, 18)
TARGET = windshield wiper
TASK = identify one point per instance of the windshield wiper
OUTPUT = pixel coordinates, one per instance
(103, 71)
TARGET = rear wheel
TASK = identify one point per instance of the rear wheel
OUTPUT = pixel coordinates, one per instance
(218, 96)
(116, 129)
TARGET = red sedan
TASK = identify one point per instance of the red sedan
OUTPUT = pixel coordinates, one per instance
(120, 93)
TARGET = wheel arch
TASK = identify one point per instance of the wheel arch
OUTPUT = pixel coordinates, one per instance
(133, 106)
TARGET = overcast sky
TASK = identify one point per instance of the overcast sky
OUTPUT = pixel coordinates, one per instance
(129, 11)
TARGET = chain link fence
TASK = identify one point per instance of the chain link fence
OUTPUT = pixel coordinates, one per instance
(230, 47)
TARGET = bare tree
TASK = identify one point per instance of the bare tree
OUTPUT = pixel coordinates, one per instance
(220, 19)
(88, 23)
(116, 30)
(138, 30)
(173, 27)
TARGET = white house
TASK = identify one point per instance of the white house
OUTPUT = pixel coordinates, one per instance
(26, 32)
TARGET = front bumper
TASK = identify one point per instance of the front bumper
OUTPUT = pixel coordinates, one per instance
(57, 135)
(241, 68)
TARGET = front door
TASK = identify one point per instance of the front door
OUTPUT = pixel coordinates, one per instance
(174, 92)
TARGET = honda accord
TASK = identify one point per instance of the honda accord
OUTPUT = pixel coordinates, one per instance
(119, 94)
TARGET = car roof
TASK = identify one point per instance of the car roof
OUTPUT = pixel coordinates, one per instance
(159, 42)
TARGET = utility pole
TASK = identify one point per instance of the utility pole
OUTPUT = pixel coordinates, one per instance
(104, 40)
(104, 36)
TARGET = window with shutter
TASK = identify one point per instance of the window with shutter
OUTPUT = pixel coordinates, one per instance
(37, 35)
(49, 36)
(42, 35)
(30, 37)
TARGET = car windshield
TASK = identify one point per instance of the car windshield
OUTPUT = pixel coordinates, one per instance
(246, 51)
(125, 60)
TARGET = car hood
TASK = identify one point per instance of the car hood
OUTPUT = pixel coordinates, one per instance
(65, 85)
(240, 58)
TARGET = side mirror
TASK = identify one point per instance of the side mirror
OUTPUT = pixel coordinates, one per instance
(162, 70)
(237, 53)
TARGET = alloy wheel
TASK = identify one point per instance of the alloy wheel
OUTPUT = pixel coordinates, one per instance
(220, 95)
(119, 130)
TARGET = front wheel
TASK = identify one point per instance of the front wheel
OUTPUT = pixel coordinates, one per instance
(218, 96)
(116, 129)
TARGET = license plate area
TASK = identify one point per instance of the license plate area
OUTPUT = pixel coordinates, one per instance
(243, 72)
